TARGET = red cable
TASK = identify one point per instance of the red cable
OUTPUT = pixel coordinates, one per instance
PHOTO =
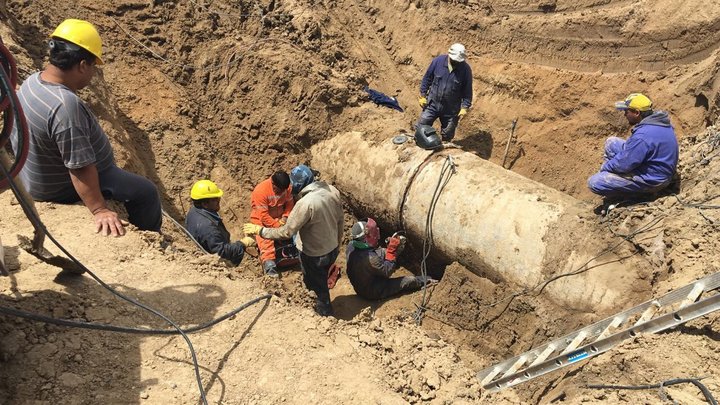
(12, 111)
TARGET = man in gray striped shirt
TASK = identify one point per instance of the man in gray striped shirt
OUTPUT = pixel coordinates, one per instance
(70, 157)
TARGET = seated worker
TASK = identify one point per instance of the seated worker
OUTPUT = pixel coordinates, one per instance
(205, 225)
(646, 162)
(271, 202)
(70, 158)
(370, 267)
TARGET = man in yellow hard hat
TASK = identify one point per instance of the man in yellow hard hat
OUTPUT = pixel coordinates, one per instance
(70, 158)
(643, 164)
(205, 225)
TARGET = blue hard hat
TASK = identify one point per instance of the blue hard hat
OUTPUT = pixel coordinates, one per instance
(300, 176)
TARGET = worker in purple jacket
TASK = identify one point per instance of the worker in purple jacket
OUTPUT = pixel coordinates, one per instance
(446, 91)
(644, 163)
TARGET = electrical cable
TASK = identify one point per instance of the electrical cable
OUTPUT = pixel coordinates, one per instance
(446, 172)
(7, 91)
(185, 231)
(125, 329)
(37, 223)
(696, 381)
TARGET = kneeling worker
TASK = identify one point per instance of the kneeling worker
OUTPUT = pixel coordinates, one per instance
(370, 267)
(272, 202)
(317, 219)
(205, 225)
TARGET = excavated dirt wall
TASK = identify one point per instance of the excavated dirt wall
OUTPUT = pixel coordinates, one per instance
(234, 90)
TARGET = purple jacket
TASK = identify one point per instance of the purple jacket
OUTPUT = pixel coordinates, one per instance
(650, 153)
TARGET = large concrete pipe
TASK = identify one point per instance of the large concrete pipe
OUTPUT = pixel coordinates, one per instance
(495, 222)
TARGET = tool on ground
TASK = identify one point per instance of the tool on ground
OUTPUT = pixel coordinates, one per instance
(399, 139)
(507, 145)
(670, 310)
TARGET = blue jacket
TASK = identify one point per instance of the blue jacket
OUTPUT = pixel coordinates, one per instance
(208, 229)
(452, 90)
(650, 153)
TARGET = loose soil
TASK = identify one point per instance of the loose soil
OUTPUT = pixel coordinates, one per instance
(235, 90)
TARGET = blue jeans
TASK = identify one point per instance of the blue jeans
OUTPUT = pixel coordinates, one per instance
(448, 122)
(315, 275)
(138, 194)
(609, 184)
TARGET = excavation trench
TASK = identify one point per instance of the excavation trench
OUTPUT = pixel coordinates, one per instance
(496, 223)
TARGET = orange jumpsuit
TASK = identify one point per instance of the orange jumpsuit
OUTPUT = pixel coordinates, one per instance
(267, 210)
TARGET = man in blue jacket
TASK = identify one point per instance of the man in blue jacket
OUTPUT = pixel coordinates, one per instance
(203, 222)
(646, 162)
(446, 91)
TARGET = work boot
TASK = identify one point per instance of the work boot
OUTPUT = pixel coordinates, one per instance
(270, 269)
(323, 308)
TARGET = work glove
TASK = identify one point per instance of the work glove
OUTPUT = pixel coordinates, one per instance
(422, 101)
(248, 241)
(393, 248)
(252, 229)
(462, 112)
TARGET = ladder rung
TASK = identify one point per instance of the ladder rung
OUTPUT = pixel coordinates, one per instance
(491, 375)
(544, 355)
(693, 296)
(649, 312)
(575, 342)
(617, 321)
(516, 366)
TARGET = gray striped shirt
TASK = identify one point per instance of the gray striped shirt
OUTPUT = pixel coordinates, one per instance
(64, 134)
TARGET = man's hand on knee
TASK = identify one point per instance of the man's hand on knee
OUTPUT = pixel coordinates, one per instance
(108, 223)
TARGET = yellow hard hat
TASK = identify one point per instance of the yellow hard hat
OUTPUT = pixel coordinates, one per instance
(635, 101)
(82, 34)
(203, 189)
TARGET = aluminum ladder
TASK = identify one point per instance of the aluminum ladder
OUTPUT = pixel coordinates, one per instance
(672, 309)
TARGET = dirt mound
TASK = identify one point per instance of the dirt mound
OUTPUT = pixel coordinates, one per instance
(234, 91)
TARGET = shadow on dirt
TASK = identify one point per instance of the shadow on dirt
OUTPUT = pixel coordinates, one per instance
(479, 142)
(92, 366)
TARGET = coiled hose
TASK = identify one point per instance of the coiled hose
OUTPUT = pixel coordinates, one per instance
(12, 113)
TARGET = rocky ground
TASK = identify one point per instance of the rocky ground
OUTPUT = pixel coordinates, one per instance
(234, 90)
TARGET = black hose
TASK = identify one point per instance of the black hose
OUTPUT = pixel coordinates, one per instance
(37, 223)
(696, 381)
(124, 329)
(448, 169)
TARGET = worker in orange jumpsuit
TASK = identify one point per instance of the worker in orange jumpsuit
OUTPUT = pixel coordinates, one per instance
(272, 202)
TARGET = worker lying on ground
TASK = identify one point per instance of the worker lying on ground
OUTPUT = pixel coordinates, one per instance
(446, 91)
(317, 219)
(271, 202)
(205, 225)
(369, 267)
(646, 162)
(70, 157)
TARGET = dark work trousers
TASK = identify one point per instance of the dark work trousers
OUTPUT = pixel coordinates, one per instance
(382, 288)
(448, 119)
(138, 194)
(315, 274)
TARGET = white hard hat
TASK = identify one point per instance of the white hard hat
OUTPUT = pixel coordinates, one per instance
(457, 52)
